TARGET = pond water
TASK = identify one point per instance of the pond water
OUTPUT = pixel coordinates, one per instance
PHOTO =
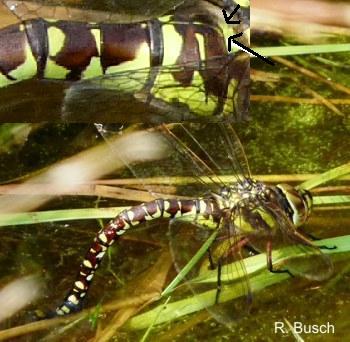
(53, 250)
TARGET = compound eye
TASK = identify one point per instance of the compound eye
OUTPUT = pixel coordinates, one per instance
(299, 201)
(307, 197)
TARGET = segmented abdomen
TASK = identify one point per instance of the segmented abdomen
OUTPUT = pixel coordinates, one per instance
(127, 219)
(74, 50)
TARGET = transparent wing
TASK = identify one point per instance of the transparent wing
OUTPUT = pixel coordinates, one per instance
(220, 276)
(112, 11)
(93, 101)
(296, 252)
(201, 159)
(212, 152)
(211, 90)
(38, 102)
(263, 227)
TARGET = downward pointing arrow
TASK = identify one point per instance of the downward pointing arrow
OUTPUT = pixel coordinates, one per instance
(227, 18)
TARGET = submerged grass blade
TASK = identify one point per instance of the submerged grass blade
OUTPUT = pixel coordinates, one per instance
(292, 330)
(201, 301)
(258, 281)
(258, 262)
(148, 331)
(188, 267)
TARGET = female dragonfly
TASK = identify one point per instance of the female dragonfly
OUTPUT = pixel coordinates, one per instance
(170, 68)
(246, 214)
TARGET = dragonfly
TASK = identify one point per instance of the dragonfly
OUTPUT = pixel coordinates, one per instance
(246, 215)
(170, 68)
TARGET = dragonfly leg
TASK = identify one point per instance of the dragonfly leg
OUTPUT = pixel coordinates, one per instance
(315, 238)
(239, 245)
(302, 236)
(327, 247)
(211, 261)
(309, 235)
(269, 261)
(218, 284)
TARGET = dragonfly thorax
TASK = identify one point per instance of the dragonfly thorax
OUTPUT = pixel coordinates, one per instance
(243, 194)
(299, 203)
(250, 194)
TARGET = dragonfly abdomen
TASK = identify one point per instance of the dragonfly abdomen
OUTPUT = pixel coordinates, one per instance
(69, 50)
(167, 208)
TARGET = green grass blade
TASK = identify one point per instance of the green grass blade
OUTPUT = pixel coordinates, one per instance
(189, 266)
(258, 281)
(325, 177)
(59, 215)
(329, 200)
(148, 331)
(258, 262)
(301, 49)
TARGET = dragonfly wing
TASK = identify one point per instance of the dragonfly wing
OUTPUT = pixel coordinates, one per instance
(201, 159)
(220, 275)
(106, 105)
(115, 11)
(296, 252)
(109, 106)
(211, 90)
(32, 105)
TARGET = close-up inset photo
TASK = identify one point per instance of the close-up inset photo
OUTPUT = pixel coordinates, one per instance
(83, 64)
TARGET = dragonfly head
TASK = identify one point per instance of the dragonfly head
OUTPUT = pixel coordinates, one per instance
(299, 201)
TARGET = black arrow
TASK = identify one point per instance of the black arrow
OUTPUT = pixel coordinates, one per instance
(245, 48)
(227, 18)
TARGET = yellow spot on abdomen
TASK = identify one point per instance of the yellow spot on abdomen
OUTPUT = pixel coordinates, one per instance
(87, 263)
(56, 40)
(103, 237)
(201, 43)
(230, 100)
(73, 299)
(65, 309)
(172, 44)
(96, 33)
(79, 285)
(100, 255)
(192, 95)
(94, 68)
